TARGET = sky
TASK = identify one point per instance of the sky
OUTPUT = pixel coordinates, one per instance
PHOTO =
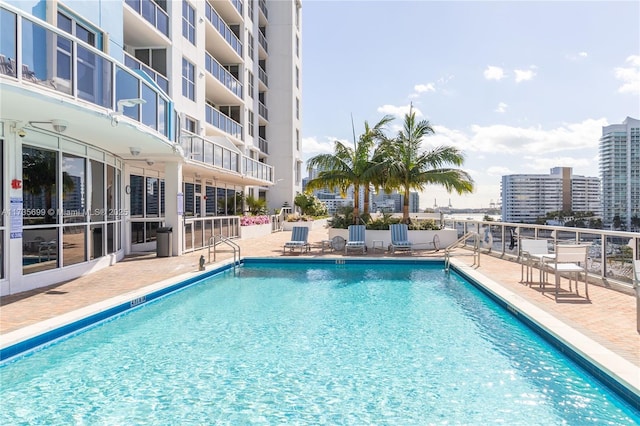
(518, 86)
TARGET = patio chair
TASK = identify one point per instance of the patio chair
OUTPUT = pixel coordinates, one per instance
(533, 254)
(356, 239)
(399, 238)
(299, 236)
(570, 259)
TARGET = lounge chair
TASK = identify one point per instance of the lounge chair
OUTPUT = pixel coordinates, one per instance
(356, 239)
(400, 238)
(299, 236)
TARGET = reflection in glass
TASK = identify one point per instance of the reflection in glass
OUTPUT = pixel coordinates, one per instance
(127, 88)
(39, 250)
(73, 188)
(8, 43)
(137, 232)
(150, 108)
(39, 173)
(111, 194)
(94, 78)
(97, 191)
(188, 199)
(150, 229)
(110, 238)
(137, 196)
(96, 245)
(153, 197)
(73, 245)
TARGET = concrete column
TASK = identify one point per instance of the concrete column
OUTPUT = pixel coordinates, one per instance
(173, 192)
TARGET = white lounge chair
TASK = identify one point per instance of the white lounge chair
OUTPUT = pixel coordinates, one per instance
(299, 236)
(356, 239)
(570, 259)
(400, 238)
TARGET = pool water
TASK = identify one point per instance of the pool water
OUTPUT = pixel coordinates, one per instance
(309, 344)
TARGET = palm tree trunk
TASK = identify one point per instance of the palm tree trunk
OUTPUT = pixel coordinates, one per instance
(405, 206)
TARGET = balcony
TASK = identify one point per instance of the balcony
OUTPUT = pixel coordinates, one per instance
(224, 123)
(222, 154)
(135, 64)
(263, 111)
(263, 145)
(152, 13)
(263, 41)
(238, 5)
(262, 76)
(263, 8)
(224, 30)
(222, 75)
(257, 170)
(56, 62)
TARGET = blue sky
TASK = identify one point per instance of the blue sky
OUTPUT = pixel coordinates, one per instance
(519, 87)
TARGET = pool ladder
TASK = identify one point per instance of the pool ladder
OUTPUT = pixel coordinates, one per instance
(462, 242)
(216, 240)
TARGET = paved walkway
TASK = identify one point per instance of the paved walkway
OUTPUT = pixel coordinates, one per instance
(609, 318)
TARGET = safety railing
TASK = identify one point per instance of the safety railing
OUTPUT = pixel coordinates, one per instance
(216, 240)
(462, 242)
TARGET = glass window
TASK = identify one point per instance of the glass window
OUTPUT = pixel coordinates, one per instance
(127, 88)
(297, 77)
(297, 108)
(98, 212)
(96, 249)
(250, 84)
(40, 249)
(112, 191)
(150, 107)
(137, 196)
(188, 80)
(250, 124)
(188, 22)
(189, 194)
(73, 188)
(8, 43)
(39, 176)
(73, 245)
(153, 197)
(250, 46)
(191, 125)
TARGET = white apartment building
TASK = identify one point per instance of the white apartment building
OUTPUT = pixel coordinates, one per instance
(526, 197)
(121, 117)
(620, 174)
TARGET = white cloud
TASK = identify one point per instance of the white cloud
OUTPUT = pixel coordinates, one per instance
(583, 54)
(312, 146)
(577, 56)
(630, 76)
(421, 88)
(502, 107)
(494, 73)
(498, 171)
(524, 75)
(398, 111)
(581, 166)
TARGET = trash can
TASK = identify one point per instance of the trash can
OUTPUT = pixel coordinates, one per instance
(163, 242)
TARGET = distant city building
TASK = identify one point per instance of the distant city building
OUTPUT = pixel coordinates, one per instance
(525, 198)
(620, 173)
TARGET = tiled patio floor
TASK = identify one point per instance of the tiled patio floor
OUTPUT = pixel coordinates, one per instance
(609, 318)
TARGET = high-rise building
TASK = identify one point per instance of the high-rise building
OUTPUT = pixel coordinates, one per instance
(526, 198)
(153, 114)
(620, 174)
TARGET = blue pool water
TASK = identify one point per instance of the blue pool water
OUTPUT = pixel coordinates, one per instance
(309, 344)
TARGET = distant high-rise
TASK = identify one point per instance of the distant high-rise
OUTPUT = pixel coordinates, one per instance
(620, 174)
(525, 198)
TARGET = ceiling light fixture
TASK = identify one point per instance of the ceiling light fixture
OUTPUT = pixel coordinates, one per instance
(58, 125)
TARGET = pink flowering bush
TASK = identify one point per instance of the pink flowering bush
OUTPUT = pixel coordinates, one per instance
(254, 220)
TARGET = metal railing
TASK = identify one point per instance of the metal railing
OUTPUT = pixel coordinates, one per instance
(216, 240)
(224, 123)
(152, 13)
(198, 230)
(222, 75)
(610, 253)
(223, 29)
(462, 242)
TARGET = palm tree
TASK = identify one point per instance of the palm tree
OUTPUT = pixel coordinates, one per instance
(348, 166)
(408, 167)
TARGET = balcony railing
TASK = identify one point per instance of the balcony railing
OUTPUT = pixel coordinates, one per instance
(263, 145)
(262, 75)
(152, 13)
(238, 5)
(223, 29)
(257, 169)
(263, 41)
(135, 64)
(610, 252)
(213, 154)
(263, 111)
(54, 60)
(224, 123)
(222, 75)
(263, 8)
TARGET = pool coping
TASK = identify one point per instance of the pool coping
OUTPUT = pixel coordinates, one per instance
(617, 372)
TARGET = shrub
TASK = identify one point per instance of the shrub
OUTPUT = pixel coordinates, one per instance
(254, 220)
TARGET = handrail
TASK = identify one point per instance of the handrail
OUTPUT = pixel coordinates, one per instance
(219, 239)
(636, 286)
(463, 239)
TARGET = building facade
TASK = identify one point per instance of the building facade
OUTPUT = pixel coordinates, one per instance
(118, 118)
(525, 198)
(620, 174)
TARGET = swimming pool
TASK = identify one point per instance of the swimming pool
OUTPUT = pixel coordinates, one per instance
(310, 343)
